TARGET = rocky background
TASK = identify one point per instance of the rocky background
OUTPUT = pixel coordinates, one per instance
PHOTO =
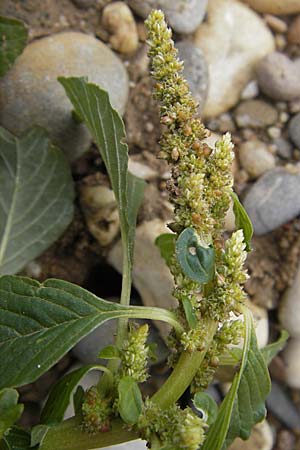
(242, 60)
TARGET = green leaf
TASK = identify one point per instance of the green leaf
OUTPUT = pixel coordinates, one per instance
(10, 410)
(242, 220)
(38, 434)
(189, 313)
(39, 323)
(244, 405)
(109, 352)
(60, 394)
(271, 350)
(92, 105)
(13, 40)
(78, 399)
(166, 244)
(36, 197)
(206, 404)
(196, 261)
(16, 439)
(130, 400)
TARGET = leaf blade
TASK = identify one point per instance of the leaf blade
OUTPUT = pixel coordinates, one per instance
(242, 220)
(36, 198)
(10, 410)
(130, 400)
(13, 40)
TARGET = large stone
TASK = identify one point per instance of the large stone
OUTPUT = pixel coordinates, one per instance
(233, 40)
(273, 200)
(195, 70)
(289, 309)
(183, 16)
(278, 77)
(294, 130)
(151, 276)
(261, 438)
(275, 6)
(291, 356)
(30, 93)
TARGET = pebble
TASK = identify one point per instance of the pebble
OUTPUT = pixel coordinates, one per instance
(30, 93)
(117, 18)
(293, 35)
(84, 4)
(233, 40)
(289, 309)
(255, 114)
(261, 438)
(151, 276)
(294, 130)
(280, 404)
(276, 7)
(278, 77)
(291, 356)
(195, 70)
(276, 24)
(261, 322)
(284, 148)
(141, 170)
(100, 211)
(274, 132)
(251, 90)
(255, 158)
(183, 16)
(273, 200)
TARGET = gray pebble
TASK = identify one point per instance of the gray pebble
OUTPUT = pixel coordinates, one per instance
(30, 93)
(273, 200)
(278, 77)
(184, 16)
(280, 404)
(294, 129)
(195, 70)
(255, 158)
(284, 148)
(255, 114)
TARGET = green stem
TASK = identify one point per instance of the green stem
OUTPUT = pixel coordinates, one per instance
(68, 435)
(183, 373)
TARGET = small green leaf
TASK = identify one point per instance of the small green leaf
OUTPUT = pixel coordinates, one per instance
(271, 350)
(78, 399)
(16, 439)
(130, 400)
(242, 220)
(10, 410)
(92, 106)
(166, 244)
(109, 352)
(36, 197)
(196, 261)
(60, 394)
(206, 404)
(189, 313)
(13, 37)
(38, 434)
(244, 405)
(39, 323)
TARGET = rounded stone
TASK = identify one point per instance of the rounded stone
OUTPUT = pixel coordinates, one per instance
(273, 200)
(31, 95)
(261, 438)
(275, 6)
(233, 40)
(84, 4)
(278, 77)
(255, 158)
(294, 130)
(289, 310)
(291, 357)
(255, 114)
(184, 16)
(293, 35)
(195, 70)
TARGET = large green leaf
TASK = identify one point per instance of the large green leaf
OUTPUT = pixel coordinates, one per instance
(39, 323)
(36, 197)
(130, 400)
(10, 410)
(244, 405)
(92, 105)
(13, 37)
(60, 394)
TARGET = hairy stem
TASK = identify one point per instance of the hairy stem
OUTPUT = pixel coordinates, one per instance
(68, 435)
(183, 373)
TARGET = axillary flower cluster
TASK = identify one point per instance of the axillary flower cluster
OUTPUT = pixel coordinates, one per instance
(200, 188)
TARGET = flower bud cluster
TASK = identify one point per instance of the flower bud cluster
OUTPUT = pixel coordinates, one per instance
(96, 411)
(135, 354)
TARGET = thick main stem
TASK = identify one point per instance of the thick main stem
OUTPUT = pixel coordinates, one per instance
(183, 373)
